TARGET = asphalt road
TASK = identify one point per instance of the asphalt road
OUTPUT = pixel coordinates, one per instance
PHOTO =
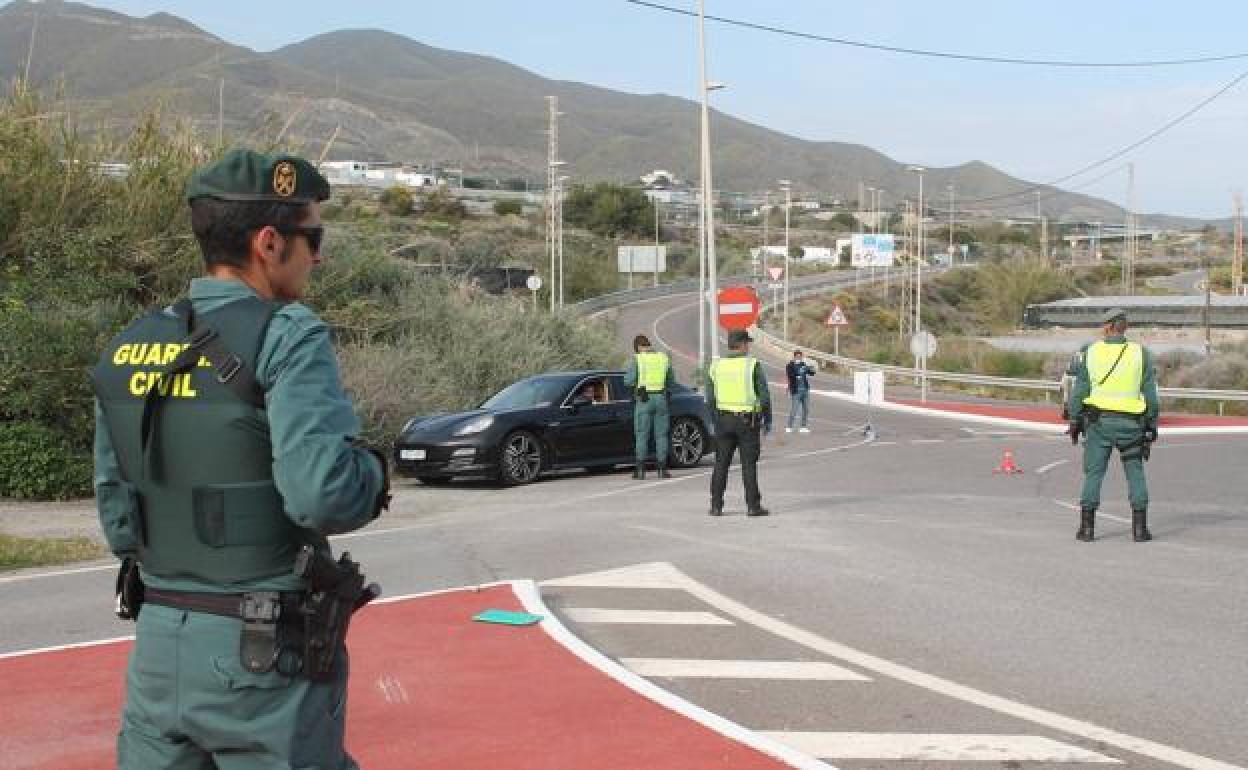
(955, 602)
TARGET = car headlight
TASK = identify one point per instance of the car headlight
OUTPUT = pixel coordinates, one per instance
(475, 425)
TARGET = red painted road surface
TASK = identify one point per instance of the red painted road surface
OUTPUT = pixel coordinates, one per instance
(1053, 415)
(430, 688)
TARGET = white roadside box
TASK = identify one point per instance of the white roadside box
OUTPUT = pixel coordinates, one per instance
(869, 388)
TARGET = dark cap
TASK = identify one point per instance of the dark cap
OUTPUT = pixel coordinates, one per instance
(738, 338)
(247, 175)
(1114, 314)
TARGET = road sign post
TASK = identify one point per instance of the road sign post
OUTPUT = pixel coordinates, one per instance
(836, 319)
(923, 346)
(738, 308)
(534, 282)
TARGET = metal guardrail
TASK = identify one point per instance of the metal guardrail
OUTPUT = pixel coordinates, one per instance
(810, 286)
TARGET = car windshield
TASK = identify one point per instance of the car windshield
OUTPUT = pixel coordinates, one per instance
(532, 393)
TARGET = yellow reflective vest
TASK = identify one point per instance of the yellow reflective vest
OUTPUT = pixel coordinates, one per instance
(734, 384)
(1116, 387)
(652, 371)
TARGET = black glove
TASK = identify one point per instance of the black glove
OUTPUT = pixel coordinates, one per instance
(1074, 430)
(129, 589)
(1150, 432)
(383, 497)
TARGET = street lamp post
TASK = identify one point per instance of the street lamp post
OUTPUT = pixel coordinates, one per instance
(655, 201)
(950, 186)
(552, 223)
(707, 275)
(918, 285)
(559, 205)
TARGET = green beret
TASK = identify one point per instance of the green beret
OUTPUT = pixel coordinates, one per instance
(246, 175)
(1114, 314)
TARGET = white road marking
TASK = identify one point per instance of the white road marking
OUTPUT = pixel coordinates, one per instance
(532, 601)
(884, 667)
(57, 573)
(886, 443)
(937, 747)
(1051, 466)
(392, 689)
(987, 433)
(54, 648)
(1099, 515)
(741, 669)
(927, 441)
(645, 617)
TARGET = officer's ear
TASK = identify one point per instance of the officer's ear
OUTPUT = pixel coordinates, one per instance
(267, 244)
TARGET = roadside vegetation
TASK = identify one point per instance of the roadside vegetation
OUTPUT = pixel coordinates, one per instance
(82, 253)
(22, 552)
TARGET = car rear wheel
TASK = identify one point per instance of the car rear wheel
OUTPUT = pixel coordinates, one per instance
(521, 459)
(688, 442)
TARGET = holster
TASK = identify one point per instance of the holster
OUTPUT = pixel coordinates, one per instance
(129, 589)
(1091, 415)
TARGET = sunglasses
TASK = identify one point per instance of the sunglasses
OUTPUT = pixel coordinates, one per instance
(314, 234)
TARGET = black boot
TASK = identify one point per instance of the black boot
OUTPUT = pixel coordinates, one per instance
(1139, 526)
(639, 472)
(1087, 517)
(716, 510)
(663, 474)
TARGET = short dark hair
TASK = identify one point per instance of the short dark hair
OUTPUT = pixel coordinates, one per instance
(224, 228)
(797, 352)
(640, 341)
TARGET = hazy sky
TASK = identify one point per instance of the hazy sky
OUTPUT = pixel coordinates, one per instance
(1039, 123)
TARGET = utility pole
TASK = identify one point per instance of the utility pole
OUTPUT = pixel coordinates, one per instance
(787, 186)
(655, 202)
(552, 200)
(221, 112)
(918, 283)
(708, 276)
(559, 229)
(766, 216)
(951, 259)
(1237, 265)
(30, 52)
(1208, 295)
(1128, 256)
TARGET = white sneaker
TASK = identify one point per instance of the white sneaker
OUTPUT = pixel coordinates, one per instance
(804, 430)
(788, 430)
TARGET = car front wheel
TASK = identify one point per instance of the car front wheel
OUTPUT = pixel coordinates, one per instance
(521, 459)
(688, 442)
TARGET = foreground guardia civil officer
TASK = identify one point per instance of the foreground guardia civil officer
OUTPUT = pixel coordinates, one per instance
(1114, 402)
(650, 377)
(224, 456)
(739, 402)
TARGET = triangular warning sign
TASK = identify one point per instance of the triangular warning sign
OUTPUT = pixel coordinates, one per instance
(837, 317)
(776, 272)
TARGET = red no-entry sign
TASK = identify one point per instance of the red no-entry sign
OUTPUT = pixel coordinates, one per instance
(738, 307)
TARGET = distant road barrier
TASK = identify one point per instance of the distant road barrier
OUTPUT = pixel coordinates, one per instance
(809, 286)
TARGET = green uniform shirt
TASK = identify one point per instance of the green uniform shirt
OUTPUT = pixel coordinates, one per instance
(1083, 382)
(327, 484)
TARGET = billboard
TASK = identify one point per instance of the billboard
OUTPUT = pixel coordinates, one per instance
(871, 250)
(641, 259)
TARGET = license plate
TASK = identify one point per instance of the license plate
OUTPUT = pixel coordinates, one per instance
(411, 454)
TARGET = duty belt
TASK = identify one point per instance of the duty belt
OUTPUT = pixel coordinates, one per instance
(225, 605)
(736, 414)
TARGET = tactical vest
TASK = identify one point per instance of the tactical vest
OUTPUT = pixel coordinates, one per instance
(652, 371)
(1116, 372)
(734, 384)
(206, 501)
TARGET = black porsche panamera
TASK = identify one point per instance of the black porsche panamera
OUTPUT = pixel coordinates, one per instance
(546, 422)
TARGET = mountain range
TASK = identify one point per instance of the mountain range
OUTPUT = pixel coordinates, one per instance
(380, 95)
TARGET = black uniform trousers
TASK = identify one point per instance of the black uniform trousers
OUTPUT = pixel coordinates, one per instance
(734, 430)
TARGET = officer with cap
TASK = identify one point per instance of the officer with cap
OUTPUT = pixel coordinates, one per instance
(1114, 402)
(225, 454)
(650, 377)
(738, 399)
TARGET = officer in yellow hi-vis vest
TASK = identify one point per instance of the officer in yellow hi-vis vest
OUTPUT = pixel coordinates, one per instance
(1114, 402)
(650, 378)
(738, 399)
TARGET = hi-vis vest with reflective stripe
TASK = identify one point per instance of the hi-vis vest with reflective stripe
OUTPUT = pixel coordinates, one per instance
(734, 384)
(204, 504)
(1120, 391)
(652, 371)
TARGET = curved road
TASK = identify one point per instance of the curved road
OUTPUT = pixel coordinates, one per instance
(957, 620)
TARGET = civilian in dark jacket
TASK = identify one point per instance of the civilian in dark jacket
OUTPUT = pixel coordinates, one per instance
(799, 373)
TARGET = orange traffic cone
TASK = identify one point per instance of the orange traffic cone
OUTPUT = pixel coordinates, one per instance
(1007, 466)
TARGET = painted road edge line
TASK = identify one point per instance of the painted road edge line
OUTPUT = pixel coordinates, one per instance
(531, 598)
(932, 683)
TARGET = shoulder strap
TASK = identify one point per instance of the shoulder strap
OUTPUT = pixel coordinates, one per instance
(1121, 353)
(202, 341)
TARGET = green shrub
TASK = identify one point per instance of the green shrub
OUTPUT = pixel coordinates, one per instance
(37, 462)
(503, 208)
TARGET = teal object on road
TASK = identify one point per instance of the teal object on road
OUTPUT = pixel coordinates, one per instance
(507, 617)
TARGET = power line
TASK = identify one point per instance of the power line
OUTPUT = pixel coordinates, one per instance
(1133, 146)
(943, 54)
